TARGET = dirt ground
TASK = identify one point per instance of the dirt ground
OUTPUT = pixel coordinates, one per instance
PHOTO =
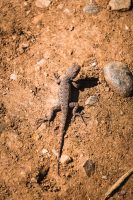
(35, 44)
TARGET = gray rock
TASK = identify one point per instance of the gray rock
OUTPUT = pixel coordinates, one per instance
(89, 167)
(119, 78)
(43, 3)
(91, 100)
(91, 8)
(122, 5)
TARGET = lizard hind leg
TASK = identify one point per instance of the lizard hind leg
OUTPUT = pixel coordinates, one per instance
(50, 117)
(75, 107)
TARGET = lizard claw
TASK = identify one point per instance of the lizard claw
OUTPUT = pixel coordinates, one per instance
(80, 115)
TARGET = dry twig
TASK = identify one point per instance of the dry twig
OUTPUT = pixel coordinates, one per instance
(118, 183)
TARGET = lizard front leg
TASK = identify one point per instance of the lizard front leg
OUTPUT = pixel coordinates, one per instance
(50, 117)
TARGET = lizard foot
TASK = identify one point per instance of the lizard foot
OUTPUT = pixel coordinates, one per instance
(81, 114)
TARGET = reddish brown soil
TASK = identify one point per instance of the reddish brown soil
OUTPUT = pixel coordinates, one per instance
(57, 39)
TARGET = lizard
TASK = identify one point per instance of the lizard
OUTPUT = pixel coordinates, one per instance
(65, 82)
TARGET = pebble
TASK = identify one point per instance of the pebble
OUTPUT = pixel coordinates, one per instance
(24, 45)
(122, 5)
(104, 177)
(91, 100)
(65, 159)
(119, 78)
(127, 28)
(13, 77)
(106, 89)
(45, 152)
(91, 8)
(89, 167)
(41, 62)
(43, 3)
(67, 11)
(94, 64)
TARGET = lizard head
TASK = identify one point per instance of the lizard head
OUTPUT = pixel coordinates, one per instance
(73, 71)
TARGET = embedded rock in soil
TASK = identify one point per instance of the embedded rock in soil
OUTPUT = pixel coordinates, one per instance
(65, 159)
(89, 167)
(13, 77)
(122, 5)
(91, 100)
(43, 3)
(91, 8)
(119, 78)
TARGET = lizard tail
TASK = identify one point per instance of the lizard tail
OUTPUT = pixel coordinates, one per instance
(60, 152)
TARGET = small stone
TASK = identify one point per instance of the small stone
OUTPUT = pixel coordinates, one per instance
(119, 78)
(13, 77)
(91, 8)
(89, 167)
(25, 3)
(104, 177)
(91, 100)
(28, 12)
(106, 89)
(67, 11)
(126, 28)
(65, 159)
(24, 45)
(122, 5)
(94, 64)
(122, 193)
(44, 151)
(41, 62)
(43, 3)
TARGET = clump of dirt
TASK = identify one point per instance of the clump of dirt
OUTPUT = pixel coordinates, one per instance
(35, 44)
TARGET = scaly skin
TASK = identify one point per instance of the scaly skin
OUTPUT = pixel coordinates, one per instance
(65, 98)
(65, 83)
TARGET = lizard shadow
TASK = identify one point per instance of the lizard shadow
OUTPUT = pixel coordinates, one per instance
(87, 83)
